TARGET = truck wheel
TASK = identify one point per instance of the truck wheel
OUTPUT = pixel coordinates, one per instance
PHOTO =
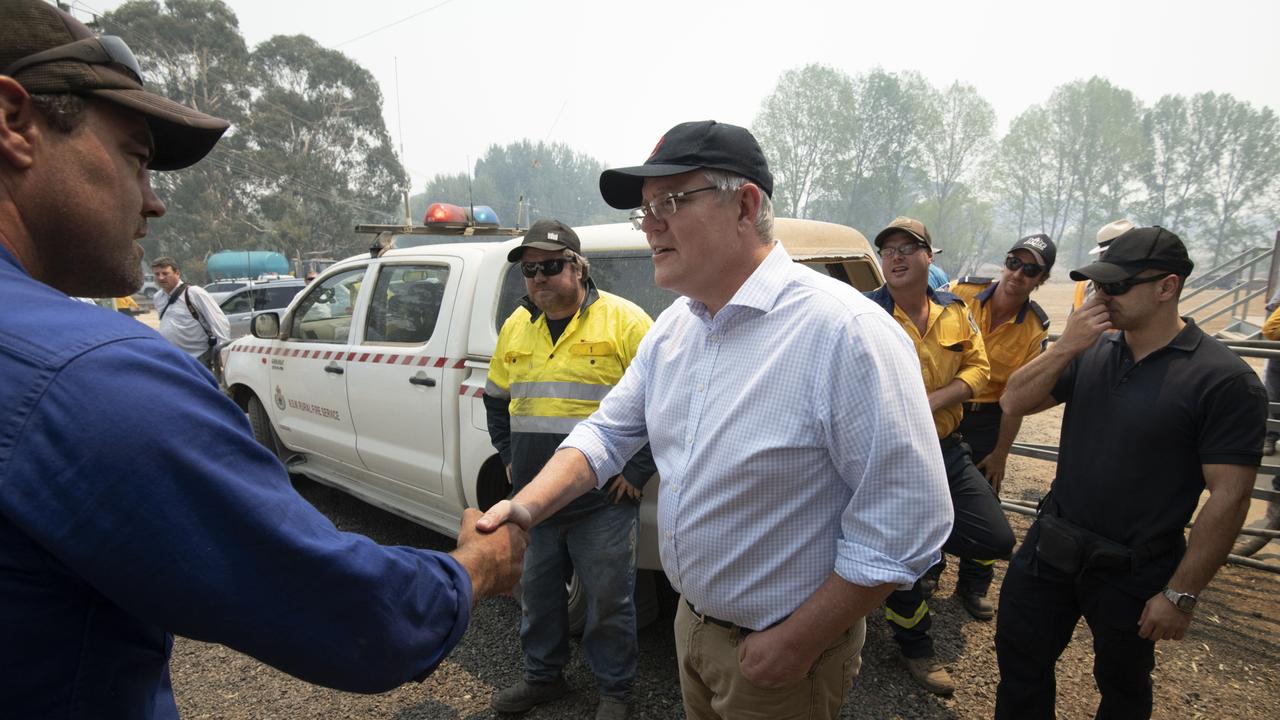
(261, 424)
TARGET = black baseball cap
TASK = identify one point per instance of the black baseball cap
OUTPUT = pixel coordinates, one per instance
(547, 234)
(1041, 246)
(690, 146)
(48, 51)
(1145, 248)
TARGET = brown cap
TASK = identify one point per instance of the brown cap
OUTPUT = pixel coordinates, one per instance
(50, 52)
(547, 234)
(910, 226)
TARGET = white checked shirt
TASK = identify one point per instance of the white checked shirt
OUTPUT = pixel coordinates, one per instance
(793, 438)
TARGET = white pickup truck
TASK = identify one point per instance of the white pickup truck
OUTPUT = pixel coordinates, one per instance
(371, 381)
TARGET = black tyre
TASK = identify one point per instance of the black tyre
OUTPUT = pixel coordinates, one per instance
(261, 424)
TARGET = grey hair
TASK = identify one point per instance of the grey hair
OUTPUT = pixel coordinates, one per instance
(727, 182)
(581, 261)
(64, 112)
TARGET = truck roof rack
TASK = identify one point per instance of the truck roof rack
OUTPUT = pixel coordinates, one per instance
(385, 234)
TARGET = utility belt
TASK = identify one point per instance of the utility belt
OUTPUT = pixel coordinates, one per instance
(979, 408)
(950, 441)
(1073, 550)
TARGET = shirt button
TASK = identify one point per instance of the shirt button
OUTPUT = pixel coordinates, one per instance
(701, 387)
(668, 536)
(689, 440)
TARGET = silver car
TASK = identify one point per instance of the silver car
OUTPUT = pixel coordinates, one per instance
(240, 305)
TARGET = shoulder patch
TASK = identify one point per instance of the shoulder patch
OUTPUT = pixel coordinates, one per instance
(1040, 313)
(946, 298)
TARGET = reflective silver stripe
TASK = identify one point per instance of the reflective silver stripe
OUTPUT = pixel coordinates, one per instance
(492, 390)
(543, 424)
(560, 390)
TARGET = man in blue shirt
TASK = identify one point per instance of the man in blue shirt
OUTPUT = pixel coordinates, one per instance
(110, 542)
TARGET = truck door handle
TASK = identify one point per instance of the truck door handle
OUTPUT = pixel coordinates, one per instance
(336, 370)
(429, 382)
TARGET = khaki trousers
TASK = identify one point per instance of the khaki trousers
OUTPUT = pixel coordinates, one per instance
(714, 688)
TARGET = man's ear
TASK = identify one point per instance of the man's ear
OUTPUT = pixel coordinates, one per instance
(19, 130)
(749, 200)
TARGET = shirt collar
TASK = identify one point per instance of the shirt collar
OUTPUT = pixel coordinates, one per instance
(1187, 339)
(990, 290)
(761, 289)
(882, 297)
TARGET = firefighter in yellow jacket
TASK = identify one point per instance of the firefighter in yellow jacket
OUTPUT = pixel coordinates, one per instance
(557, 356)
(954, 362)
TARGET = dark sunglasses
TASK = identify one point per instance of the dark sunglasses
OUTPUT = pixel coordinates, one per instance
(102, 50)
(1015, 263)
(1119, 288)
(549, 268)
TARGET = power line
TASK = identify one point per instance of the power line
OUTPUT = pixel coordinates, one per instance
(393, 24)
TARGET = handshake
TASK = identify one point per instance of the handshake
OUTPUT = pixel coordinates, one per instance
(491, 547)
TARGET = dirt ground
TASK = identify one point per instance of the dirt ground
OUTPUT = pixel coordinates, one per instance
(1225, 668)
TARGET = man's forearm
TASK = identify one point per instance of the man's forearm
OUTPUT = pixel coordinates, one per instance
(1212, 536)
(954, 392)
(833, 608)
(1031, 385)
(565, 476)
(1010, 424)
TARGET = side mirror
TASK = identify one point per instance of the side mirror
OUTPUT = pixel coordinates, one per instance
(266, 325)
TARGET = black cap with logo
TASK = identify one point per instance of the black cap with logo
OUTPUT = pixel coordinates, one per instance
(1145, 248)
(1040, 246)
(547, 234)
(690, 146)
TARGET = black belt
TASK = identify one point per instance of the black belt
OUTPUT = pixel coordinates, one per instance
(977, 407)
(951, 441)
(717, 621)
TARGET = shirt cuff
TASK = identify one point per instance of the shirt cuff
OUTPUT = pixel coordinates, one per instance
(585, 441)
(868, 567)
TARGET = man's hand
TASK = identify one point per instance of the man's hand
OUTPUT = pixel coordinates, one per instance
(504, 511)
(770, 662)
(1084, 326)
(620, 489)
(993, 467)
(1162, 621)
(492, 560)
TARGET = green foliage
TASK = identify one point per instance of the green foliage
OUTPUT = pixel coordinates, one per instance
(307, 157)
(524, 181)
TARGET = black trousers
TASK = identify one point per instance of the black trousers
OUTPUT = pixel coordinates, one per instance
(1039, 609)
(981, 430)
(981, 531)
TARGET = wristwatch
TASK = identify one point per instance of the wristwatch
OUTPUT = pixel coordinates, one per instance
(1186, 602)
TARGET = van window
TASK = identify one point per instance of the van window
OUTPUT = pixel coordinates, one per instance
(626, 273)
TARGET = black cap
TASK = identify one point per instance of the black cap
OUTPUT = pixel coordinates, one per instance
(1039, 245)
(547, 235)
(50, 52)
(690, 146)
(1146, 248)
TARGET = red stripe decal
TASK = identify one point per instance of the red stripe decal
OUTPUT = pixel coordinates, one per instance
(407, 359)
(376, 358)
(423, 360)
(459, 365)
(364, 357)
(351, 356)
(440, 362)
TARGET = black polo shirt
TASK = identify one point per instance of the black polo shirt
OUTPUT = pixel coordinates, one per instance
(1135, 435)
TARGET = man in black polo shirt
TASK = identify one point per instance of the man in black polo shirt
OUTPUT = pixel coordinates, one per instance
(1155, 414)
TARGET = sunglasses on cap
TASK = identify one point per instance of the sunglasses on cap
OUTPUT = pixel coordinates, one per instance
(102, 50)
(1123, 286)
(1015, 263)
(549, 268)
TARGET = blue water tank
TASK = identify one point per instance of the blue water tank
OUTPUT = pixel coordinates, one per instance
(245, 264)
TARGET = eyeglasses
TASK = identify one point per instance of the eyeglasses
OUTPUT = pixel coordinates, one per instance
(664, 207)
(1119, 288)
(889, 251)
(1015, 263)
(549, 268)
(94, 51)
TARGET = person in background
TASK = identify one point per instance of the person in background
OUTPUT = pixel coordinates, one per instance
(1249, 544)
(559, 353)
(189, 318)
(783, 410)
(113, 542)
(954, 364)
